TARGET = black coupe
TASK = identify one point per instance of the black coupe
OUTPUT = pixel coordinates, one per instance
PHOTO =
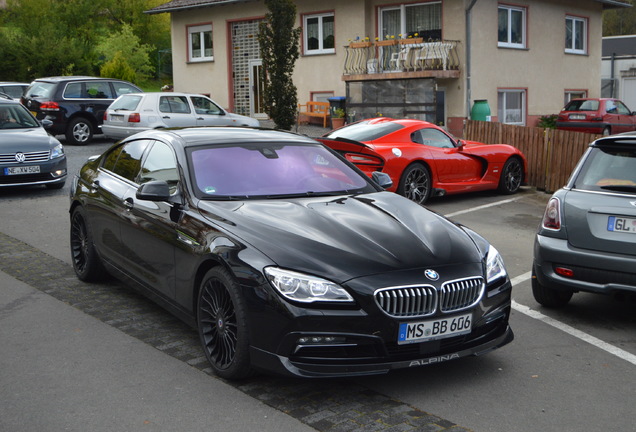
(284, 256)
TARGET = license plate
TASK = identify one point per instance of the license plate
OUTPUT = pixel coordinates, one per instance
(116, 118)
(434, 329)
(22, 170)
(621, 224)
(577, 116)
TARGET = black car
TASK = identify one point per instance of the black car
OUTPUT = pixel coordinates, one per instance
(75, 105)
(586, 241)
(28, 155)
(285, 256)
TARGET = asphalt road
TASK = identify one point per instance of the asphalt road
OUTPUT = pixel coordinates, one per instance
(77, 357)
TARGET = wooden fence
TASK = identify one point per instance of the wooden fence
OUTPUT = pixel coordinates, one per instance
(551, 154)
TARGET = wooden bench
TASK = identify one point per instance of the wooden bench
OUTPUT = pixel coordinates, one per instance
(315, 109)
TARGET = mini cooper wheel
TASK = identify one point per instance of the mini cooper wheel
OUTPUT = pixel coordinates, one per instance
(547, 296)
(86, 262)
(415, 183)
(221, 320)
(79, 131)
(511, 176)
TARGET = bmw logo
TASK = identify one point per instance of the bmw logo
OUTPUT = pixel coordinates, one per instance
(431, 274)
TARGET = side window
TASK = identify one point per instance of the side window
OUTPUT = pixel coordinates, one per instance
(73, 90)
(204, 105)
(123, 88)
(160, 164)
(98, 90)
(622, 109)
(433, 138)
(174, 104)
(128, 162)
(610, 107)
(111, 158)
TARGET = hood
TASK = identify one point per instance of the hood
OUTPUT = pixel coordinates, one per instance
(345, 237)
(25, 140)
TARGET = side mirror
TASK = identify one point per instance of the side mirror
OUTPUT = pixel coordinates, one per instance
(383, 179)
(46, 123)
(460, 145)
(154, 191)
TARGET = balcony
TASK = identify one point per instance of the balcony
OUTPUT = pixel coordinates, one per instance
(401, 59)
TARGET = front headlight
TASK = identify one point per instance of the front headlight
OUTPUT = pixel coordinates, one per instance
(305, 288)
(495, 267)
(57, 151)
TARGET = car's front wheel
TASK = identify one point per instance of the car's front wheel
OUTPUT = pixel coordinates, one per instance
(86, 261)
(415, 183)
(511, 176)
(549, 297)
(79, 131)
(222, 324)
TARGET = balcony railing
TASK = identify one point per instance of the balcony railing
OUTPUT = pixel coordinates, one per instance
(400, 56)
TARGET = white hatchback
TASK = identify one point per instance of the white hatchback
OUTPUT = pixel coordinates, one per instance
(136, 112)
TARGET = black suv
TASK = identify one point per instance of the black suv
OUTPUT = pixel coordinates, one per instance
(75, 104)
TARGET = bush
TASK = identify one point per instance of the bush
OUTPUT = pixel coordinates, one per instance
(548, 121)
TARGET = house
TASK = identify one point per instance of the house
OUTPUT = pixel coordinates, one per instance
(618, 71)
(427, 59)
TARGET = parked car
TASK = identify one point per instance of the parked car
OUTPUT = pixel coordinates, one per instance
(284, 256)
(74, 104)
(423, 160)
(14, 90)
(598, 116)
(28, 154)
(587, 238)
(132, 113)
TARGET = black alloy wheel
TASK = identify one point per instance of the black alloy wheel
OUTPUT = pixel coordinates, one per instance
(511, 176)
(221, 320)
(415, 183)
(86, 262)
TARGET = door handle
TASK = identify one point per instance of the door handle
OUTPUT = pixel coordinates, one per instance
(94, 185)
(166, 117)
(129, 203)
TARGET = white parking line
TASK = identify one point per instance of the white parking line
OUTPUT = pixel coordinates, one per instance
(457, 213)
(622, 354)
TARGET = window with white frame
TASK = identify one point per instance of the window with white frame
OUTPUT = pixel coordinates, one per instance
(319, 33)
(573, 94)
(511, 106)
(575, 35)
(511, 26)
(409, 20)
(200, 43)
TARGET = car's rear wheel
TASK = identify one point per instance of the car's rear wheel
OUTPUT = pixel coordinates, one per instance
(222, 324)
(511, 176)
(86, 261)
(79, 131)
(415, 183)
(549, 297)
(607, 131)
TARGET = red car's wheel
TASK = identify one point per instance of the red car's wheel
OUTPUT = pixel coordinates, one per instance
(415, 183)
(511, 176)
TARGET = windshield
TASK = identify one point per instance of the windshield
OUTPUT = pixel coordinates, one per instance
(365, 131)
(15, 116)
(257, 170)
(125, 103)
(609, 169)
(582, 105)
(39, 89)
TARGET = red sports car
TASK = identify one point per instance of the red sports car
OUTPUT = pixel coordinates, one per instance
(423, 160)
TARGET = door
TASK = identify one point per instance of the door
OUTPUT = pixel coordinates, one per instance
(208, 113)
(257, 87)
(175, 111)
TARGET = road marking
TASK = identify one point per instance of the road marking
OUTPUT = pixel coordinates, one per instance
(622, 354)
(481, 207)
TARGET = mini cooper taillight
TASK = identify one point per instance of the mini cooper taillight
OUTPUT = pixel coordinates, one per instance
(552, 215)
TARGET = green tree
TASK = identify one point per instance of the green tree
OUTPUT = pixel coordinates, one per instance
(124, 47)
(618, 22)
(278, 42)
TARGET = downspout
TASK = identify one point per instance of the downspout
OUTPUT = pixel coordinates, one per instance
(468, 49)
(612, 87)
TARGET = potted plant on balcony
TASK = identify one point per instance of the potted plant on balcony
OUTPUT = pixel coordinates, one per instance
(337, 118)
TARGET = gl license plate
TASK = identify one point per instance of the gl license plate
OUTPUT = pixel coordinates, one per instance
(577, 116)
(621, 224)
(434, 329)
(22, 170)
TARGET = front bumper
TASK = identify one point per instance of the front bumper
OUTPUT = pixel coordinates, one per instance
(596, 272)
(51, 172)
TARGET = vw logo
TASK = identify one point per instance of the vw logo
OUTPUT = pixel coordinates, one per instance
(20, 157)
(431, 274)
